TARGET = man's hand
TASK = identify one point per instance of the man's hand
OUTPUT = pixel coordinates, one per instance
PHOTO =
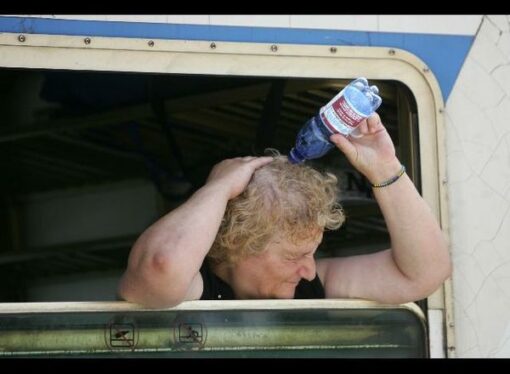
(235, 173)
(373, 153)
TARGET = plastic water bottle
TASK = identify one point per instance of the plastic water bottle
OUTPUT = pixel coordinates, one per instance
(341, 115)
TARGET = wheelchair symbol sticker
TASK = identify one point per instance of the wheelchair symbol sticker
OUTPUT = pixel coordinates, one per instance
(189, 333)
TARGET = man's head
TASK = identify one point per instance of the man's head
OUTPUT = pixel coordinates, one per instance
(282, 202)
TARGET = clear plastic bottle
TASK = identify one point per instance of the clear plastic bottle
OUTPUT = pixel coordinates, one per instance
(341, 115)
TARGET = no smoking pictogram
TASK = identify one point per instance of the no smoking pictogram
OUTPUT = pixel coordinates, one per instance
(121, 335)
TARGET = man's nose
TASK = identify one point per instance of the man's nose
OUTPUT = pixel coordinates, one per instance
(307, 269)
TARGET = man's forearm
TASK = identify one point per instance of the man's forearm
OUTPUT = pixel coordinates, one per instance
(418, 245)
(187, 233)
(168, 255)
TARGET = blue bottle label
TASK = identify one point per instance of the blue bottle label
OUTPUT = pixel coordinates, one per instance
(339, 116)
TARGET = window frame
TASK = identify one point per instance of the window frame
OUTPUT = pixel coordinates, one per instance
(57, 323)
(95, 53)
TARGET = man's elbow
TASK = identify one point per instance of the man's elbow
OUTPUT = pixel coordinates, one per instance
(443, 269)
(123, 290)
(151, 285)
(147, 298)
(421, 289)
(438, 273)
(448, 269)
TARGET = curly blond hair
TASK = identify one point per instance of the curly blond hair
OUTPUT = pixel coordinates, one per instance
(296, 202)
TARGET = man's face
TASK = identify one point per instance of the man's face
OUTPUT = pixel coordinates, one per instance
(277, 271)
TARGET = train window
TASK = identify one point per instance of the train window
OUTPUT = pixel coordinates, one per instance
(84, 178)
(99, 142)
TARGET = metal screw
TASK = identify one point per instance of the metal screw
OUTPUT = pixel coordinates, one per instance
(444, 182)
(391, 52)
(86, 40)
(426, 69)
(451, 324)
(274, 48)
(332, 49)
(21, 38)
(151, 43)
(441, 110)
(213, 45)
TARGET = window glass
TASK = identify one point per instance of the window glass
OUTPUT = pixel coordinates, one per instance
(370, 332)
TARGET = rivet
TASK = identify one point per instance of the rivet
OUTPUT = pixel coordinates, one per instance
(151, 43)
(86, 40)
(391, 52)
(451, 324)
(213, 45)
(332, 49)
(21, 38)
(274, 48)
(441, 110)
(426, 69)
(444, 181)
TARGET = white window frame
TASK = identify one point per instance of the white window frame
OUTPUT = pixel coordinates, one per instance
(262, 59)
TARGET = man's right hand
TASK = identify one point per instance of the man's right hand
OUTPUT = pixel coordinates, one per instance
(373, 154)
(234, 174)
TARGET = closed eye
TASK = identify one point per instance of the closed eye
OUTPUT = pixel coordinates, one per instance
(298, 257)
(292, 258)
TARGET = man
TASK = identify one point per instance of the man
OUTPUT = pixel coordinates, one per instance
(259, 221)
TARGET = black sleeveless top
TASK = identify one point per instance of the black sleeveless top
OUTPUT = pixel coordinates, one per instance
(216, 289)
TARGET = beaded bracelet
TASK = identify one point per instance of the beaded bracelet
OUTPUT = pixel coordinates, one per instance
(391, 180)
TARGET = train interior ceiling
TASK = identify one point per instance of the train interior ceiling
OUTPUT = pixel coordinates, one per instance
(90, 159)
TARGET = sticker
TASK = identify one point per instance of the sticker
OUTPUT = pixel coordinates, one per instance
(121, 335)
(189, 332)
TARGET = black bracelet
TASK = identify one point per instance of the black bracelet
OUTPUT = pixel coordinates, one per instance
(391, 180)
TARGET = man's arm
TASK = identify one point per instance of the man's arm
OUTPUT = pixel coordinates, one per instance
(418, 261)
(164, 263)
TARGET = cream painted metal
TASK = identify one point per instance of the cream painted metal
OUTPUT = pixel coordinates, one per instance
(260, 59)
(478, 124)
(122, 306)
(436, 334)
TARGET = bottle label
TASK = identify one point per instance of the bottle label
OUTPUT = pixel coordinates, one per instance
(340, 117)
